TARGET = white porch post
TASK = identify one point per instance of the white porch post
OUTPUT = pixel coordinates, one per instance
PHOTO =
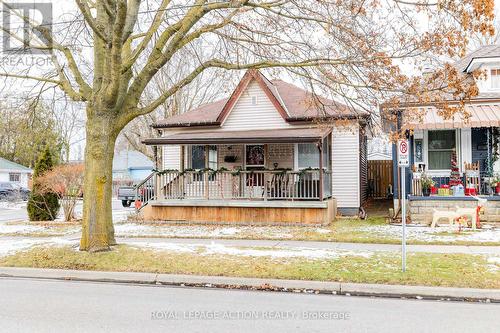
(321, 183)
(157, 177)
(205, 174)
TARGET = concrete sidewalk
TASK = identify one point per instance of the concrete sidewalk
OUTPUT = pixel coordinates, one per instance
(489, 250)
(317, 287)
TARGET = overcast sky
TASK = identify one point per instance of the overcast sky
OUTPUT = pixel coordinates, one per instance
(63, 11)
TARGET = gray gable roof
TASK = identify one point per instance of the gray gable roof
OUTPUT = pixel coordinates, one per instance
(486, 51)
(9, 165)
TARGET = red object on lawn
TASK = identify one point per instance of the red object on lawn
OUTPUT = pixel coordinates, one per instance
(434, 190)
(470, 191)
(498, 188)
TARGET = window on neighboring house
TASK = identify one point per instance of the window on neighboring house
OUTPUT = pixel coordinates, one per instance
(15, 177)
(495, 78)
(441, 146)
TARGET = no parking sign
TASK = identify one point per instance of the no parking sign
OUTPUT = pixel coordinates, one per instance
(403, 162)
(403, 153)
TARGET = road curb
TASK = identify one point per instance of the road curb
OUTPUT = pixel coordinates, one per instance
(298, 286)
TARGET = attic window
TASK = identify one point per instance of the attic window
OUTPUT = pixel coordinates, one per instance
(254, 98)
(495, 78)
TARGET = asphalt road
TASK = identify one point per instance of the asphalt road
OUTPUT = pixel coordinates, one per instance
(64, 306)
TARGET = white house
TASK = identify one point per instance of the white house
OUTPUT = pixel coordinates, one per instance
(379, 149)
(11, 172)
(270, 152)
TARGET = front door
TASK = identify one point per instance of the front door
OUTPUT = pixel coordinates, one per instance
(480, 147)
(255, 160)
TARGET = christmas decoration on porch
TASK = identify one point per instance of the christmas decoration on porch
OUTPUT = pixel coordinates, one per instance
(455, 173)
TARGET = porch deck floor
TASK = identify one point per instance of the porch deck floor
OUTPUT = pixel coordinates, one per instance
(239, 203)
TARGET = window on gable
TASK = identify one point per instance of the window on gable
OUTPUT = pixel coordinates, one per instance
(495, 78)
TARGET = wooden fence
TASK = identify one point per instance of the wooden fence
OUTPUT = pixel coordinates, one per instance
(379, 178)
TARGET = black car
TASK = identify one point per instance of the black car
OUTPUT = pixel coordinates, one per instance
(13, 191)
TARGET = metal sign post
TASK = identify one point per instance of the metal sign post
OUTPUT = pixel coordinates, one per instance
(403, 162)
(403, 217)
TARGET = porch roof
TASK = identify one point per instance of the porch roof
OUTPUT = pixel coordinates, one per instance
(295, 135)
(427, 117)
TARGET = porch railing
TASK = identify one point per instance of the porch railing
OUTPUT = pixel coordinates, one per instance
(481, 181)
(257, 185)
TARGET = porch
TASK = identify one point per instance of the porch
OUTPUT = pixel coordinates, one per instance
(268, 176)
(459, 158)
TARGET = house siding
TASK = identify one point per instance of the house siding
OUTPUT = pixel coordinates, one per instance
(247, 116)
(24, 179)
(172, 157)
(345, 167)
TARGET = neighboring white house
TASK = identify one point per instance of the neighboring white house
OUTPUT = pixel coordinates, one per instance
(14, 173)
(270, 146)
(379, 149)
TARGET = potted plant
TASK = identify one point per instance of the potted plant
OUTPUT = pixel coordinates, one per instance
(427, 184)
(495, 184)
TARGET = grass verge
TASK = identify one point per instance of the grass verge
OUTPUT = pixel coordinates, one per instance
(450, 270)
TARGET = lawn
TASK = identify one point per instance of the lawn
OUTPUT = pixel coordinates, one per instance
(372, 230)
(452, 270)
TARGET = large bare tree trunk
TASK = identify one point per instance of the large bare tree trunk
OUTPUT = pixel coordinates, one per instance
(98, 230)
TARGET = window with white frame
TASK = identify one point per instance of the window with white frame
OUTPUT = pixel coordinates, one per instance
(308, 155)
(15, 177)
(495, 78)
(441, 145)
(198, 161)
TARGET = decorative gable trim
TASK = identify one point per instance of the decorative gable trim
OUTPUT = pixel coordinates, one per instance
(250, 75)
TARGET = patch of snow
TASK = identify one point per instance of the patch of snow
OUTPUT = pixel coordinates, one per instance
(494, 264)
(428, 234)
(122, 214)
(323, 231)
(494, 260)
(11, 246)
(183, 248)
(13, 205)
(26, 229)
(19, 228)
(194, 231)
(276, 252)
